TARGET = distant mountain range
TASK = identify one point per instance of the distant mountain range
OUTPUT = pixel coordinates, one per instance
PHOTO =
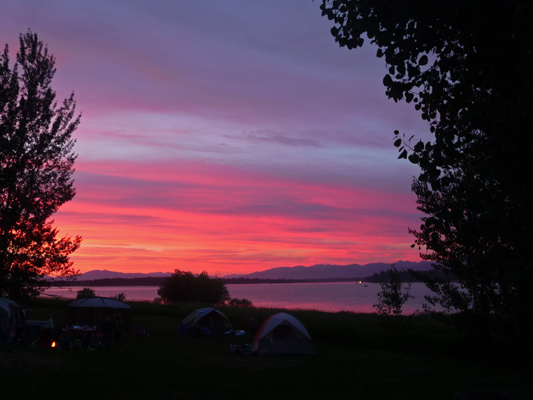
(320, 271)
(327, 271)
(104, 274)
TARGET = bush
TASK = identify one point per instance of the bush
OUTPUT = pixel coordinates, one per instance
(183, 286)
(85, 292)
(120, 296)
(240, 303)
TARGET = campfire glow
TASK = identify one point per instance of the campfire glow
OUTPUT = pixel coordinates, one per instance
(53, 344)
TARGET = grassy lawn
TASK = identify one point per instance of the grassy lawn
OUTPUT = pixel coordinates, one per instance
(358, 358)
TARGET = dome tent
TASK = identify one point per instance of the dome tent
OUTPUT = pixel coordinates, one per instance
(282, 334)
(212, 319)
(92, 311)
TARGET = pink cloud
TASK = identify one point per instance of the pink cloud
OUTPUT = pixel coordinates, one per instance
(228, 136)
(226, 220)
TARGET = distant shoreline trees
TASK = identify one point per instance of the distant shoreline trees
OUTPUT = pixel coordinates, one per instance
(404, 276)
(184, 287)
(85, 293)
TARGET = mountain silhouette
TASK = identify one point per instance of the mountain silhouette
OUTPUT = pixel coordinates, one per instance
(319, 271)
(105, 274)
(327, 271)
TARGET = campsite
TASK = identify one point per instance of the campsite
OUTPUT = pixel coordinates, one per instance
(356, 357)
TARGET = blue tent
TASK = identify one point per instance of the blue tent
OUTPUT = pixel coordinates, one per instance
(210, 318)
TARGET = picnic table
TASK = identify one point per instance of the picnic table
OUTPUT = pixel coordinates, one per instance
(80, 337)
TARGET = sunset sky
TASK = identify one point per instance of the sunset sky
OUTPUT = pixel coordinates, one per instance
(229, 136)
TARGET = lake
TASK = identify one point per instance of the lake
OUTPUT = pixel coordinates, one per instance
(323, 296)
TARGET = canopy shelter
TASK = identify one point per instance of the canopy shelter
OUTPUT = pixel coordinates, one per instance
(210, 318)
(92, 311)
(11, 315)
(282, 334)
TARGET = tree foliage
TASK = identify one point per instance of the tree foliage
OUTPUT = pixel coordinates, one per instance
(183, 286)
(393, 294)
(85, 293)
(467, 66)
(36, 166)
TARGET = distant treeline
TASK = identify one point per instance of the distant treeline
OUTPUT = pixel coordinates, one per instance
(245, 281)
(379, 277)
(158, 281)
(150, 281)
(406, 276)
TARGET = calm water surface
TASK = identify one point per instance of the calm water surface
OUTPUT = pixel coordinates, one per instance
(331, 296)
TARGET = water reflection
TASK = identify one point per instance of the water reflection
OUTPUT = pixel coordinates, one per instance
(333, 297)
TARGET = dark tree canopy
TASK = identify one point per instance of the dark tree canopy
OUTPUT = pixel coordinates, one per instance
(467, 66)
(36, 167)
(184, 287)
(85, 293)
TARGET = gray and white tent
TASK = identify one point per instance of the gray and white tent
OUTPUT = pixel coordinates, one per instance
(92, 311)
(282, 334)
(11, 315)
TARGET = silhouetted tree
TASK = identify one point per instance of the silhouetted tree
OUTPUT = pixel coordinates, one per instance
(36, 166)
(183, 286)
(393, 294)
(392, 298)
(467, 66)
(85, 293)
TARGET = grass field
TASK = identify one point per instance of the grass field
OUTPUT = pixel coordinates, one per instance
(358, 358)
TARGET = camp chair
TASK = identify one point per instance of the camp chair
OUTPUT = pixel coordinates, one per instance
(77, 344)
(3, 336)
(65, 342)
(139, 330)
(33, 331)
(34, 334)
(86, 341)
